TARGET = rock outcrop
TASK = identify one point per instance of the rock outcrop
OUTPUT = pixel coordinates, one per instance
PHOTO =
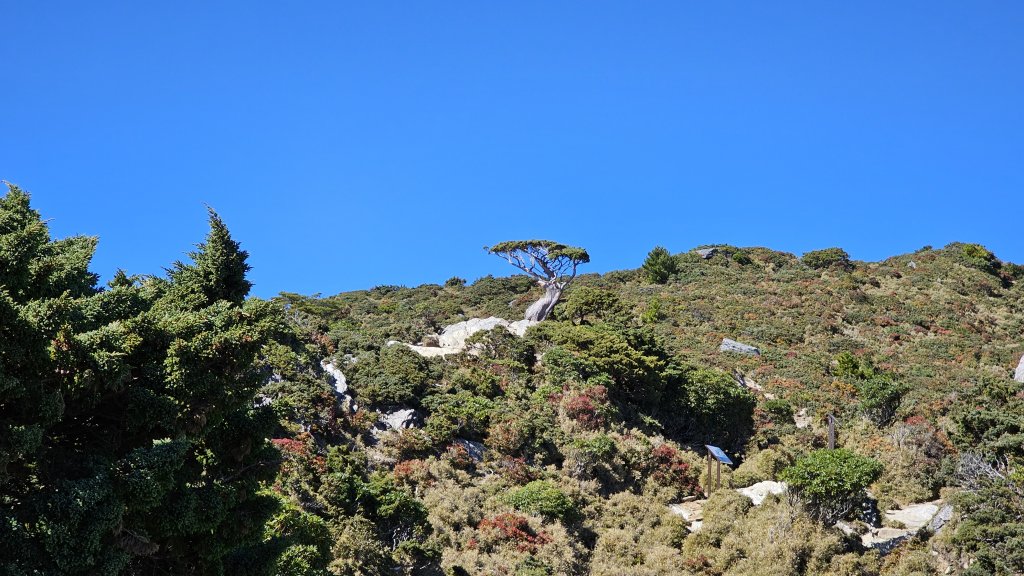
(758, 492)
(476, 450)
(340, 385)
(452, 339)
(401, 419)
(1018, 375)
(912, 519)
(738, 347)
(691, 510)
(707, 253)
(397, 420)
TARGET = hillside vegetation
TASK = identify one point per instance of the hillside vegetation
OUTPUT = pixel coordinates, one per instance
(176, 426)
(592, 424)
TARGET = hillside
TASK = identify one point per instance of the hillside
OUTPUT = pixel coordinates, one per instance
(563, 452)
(176, 425)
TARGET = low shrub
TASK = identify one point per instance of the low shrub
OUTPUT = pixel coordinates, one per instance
(544, 498)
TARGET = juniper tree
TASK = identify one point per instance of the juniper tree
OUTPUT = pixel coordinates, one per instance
(551, 264)
(659, 265)
(129, 439)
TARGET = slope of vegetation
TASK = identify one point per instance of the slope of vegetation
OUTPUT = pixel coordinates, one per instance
(175, 426)
(592, 424)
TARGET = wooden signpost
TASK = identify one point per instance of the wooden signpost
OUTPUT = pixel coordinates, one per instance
(715, 453)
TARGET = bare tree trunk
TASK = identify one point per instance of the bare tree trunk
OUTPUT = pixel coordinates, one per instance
(542, 308)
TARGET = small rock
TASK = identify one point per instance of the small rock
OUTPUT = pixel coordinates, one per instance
(1018, 375)
(885, 539)
(738, 347)
(475, 450)
(746, 382)
(912, 265)
(707, 253)
(689, 511)
(801, 419)
(758, 492)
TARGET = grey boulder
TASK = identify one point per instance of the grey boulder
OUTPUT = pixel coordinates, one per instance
(738, 347)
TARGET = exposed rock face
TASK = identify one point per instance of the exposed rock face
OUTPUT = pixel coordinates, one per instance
(475, 450)
(738, 347)
(340, 383)
(707, 253)
(944, 515)
(454, 336)
(913, 518)
(746, 382)
(452, 339)
(692, 511)
(1019, 374)
(400, 419)
(758, 492)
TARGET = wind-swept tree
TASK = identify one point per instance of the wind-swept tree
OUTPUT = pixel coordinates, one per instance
(551, 264)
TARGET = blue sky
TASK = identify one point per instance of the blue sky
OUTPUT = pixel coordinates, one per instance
(353, 144)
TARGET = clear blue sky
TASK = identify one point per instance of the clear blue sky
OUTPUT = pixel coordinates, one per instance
(350, 144)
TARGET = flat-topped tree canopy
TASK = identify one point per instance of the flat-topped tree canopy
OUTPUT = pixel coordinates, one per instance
(552, 264)
(542, 259)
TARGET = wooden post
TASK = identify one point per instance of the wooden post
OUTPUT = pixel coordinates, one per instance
(718, 483)
(831, 432)
(709, 474)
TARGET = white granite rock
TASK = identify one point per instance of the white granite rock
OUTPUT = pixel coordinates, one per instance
(401, 419)
(1018, 375)
(454, 336)
(340, 383)
(801, 419)
(452, 339)
(944, 515)
(758, 492)
(914, 517)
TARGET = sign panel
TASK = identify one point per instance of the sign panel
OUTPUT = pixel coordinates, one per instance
(718, 454)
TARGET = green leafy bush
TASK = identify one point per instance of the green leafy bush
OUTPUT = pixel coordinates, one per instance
(831, 482)
(460, 414)
(712, 408)
(396, 376)
(544, 498)
(880, 398)
(584, 301)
